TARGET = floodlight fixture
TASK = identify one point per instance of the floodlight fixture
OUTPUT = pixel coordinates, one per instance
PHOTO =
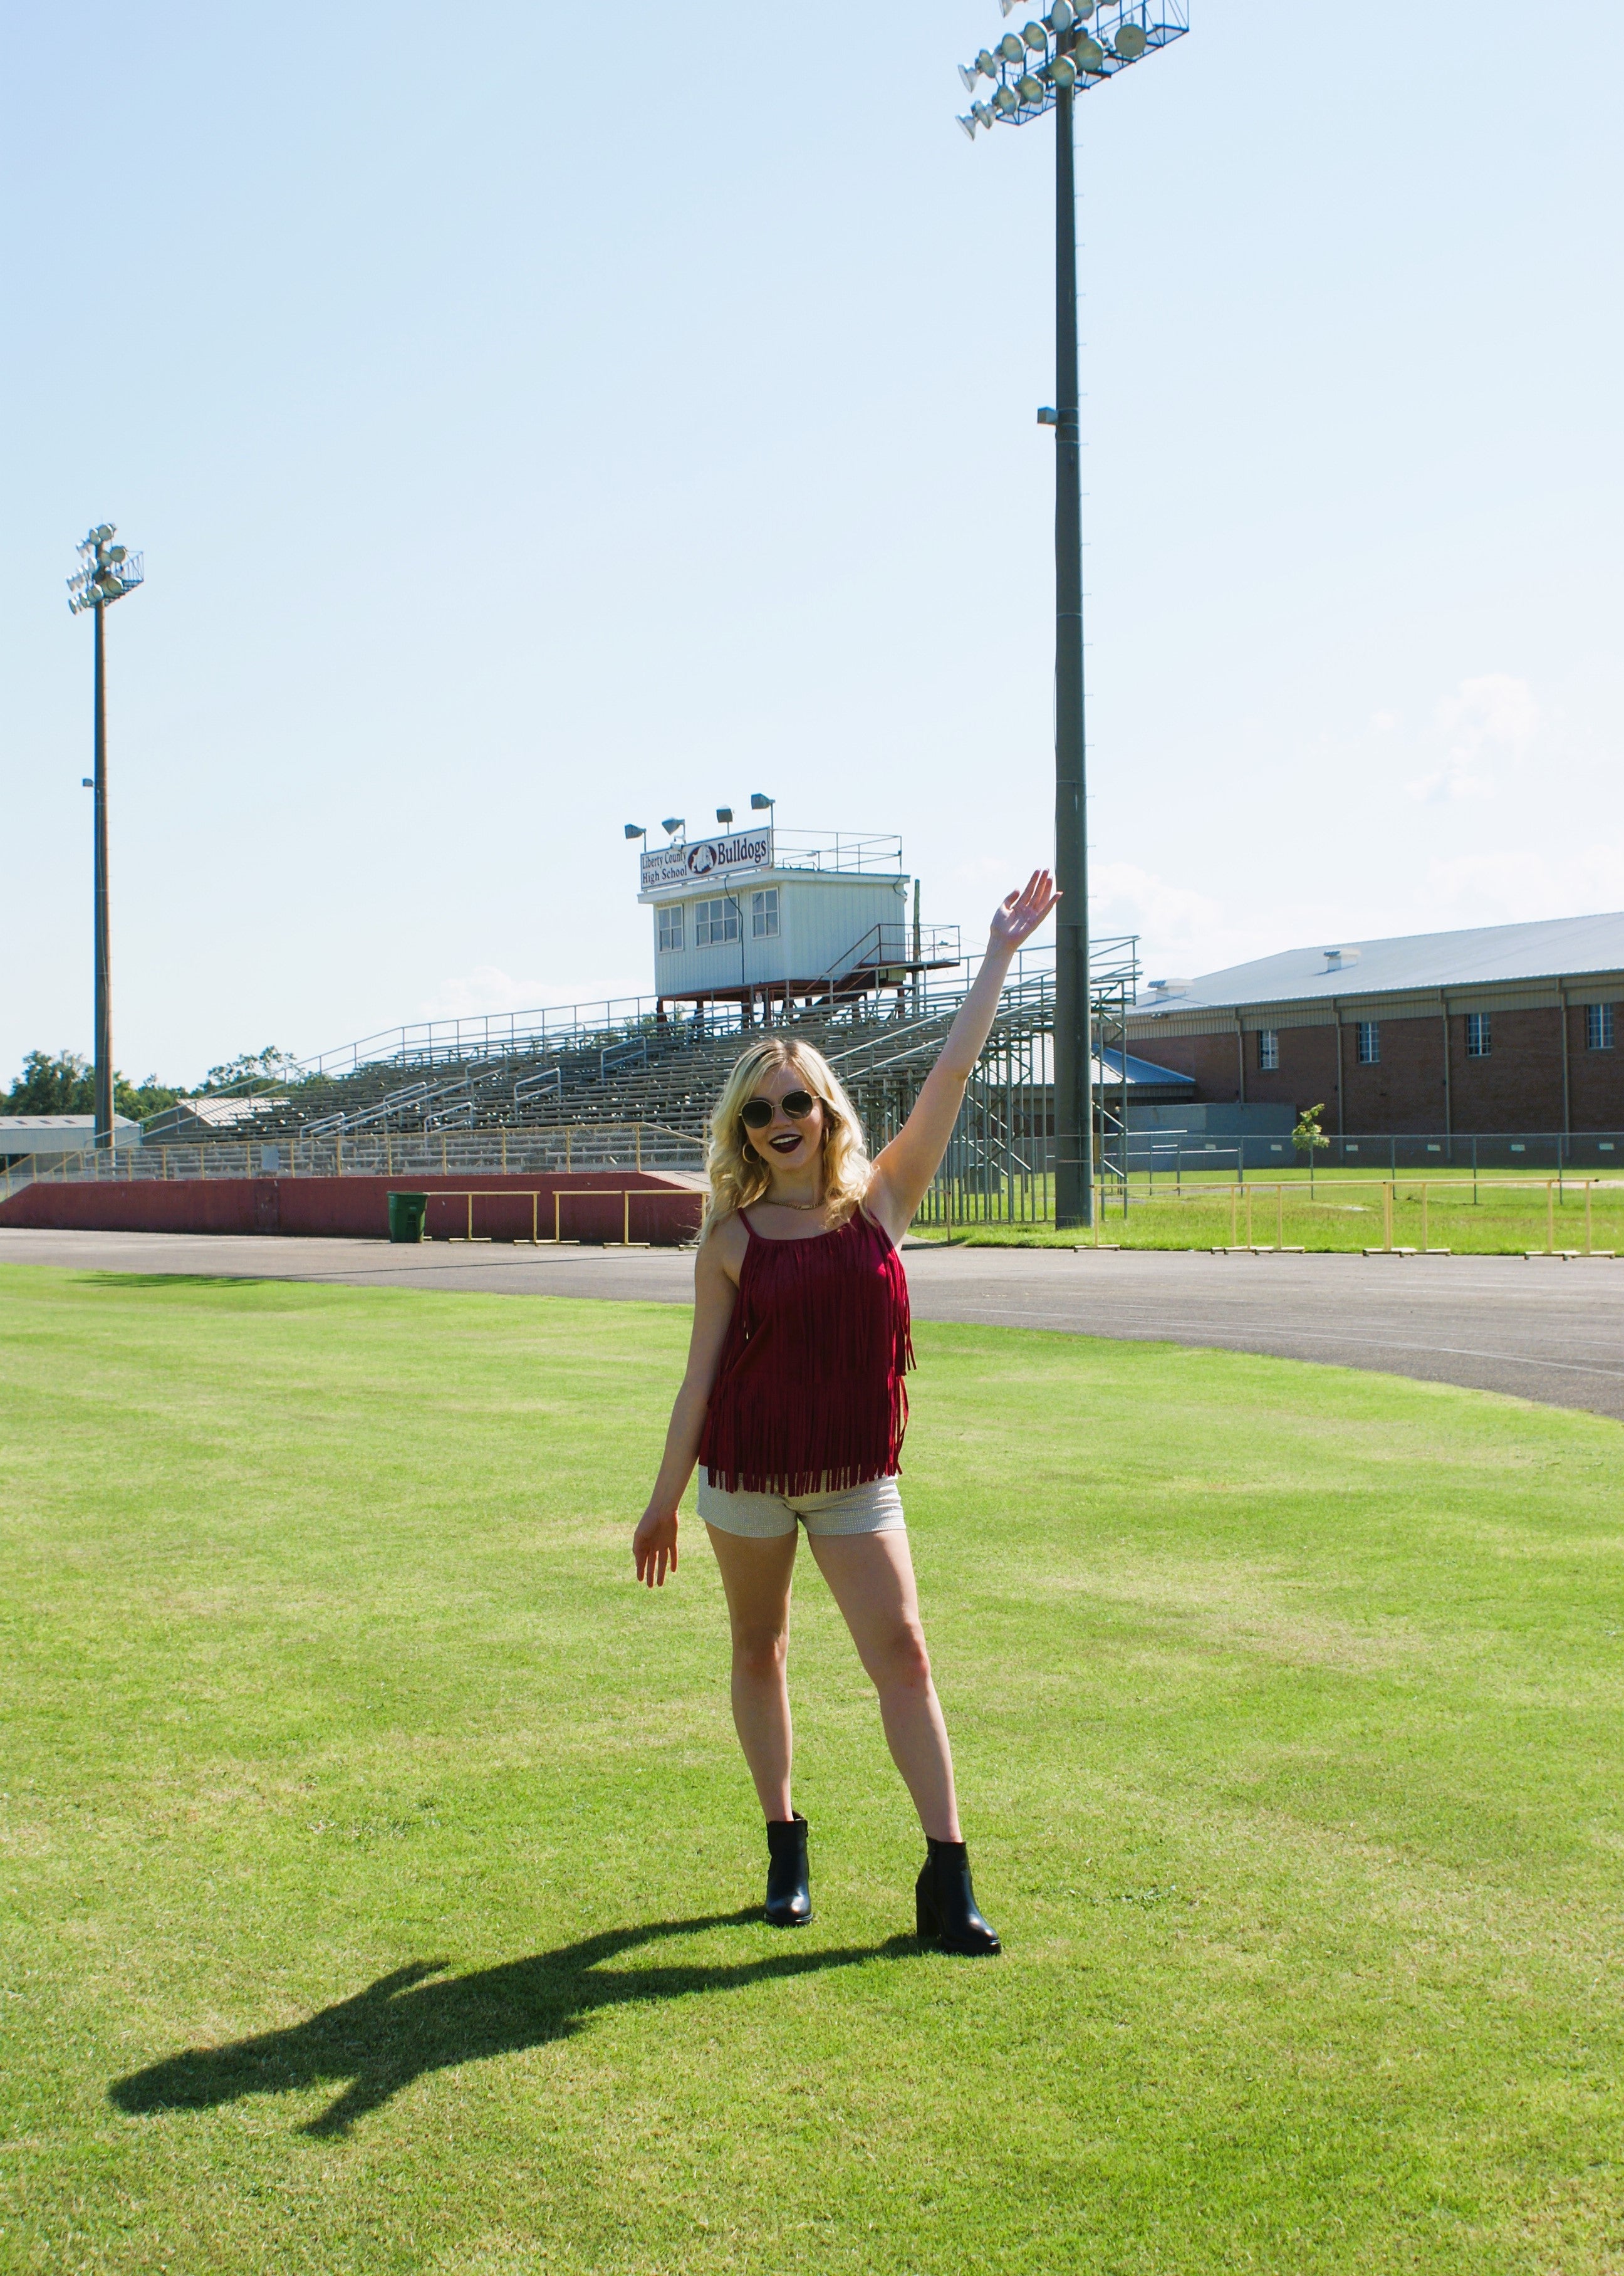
(1051, 62)
(1053, 56)
(760, 803)
(637, 830)
(106, 574)
(724, 816)
(672, 823)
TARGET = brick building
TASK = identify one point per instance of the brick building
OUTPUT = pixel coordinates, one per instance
(1505, 1027)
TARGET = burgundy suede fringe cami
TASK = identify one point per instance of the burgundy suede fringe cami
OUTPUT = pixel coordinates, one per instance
(809, 1396)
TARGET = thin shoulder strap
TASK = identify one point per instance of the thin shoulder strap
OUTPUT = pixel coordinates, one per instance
(874, 1224)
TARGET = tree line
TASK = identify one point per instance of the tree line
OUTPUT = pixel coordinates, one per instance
(63, 1082)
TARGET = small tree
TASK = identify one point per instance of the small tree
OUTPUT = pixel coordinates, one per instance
(61, 1082)
(259, 1069)
(1308, 1137)
(56, 1082)
(141, 1100)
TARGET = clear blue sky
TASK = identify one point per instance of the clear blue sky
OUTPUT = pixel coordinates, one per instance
(536, 420)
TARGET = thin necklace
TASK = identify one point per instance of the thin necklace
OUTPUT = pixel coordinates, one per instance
(799, 1205)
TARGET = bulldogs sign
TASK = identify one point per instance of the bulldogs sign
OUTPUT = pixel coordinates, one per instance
(707, 860)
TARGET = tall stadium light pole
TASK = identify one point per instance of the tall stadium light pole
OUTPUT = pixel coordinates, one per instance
(1045, 67)
(107, 573)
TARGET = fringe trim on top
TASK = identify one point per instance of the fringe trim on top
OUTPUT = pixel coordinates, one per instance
(809, 1395)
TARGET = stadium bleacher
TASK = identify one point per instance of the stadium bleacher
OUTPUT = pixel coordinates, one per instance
(628, 1083)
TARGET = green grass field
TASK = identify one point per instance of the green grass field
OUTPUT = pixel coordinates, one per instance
(1342, 1210)
(376, 1864)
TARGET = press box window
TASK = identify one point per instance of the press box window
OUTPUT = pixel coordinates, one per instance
(1268, 1049)
(1477, 1034)
(765, 914)
(1598, 1027)
(714, 923)
(670, 930)
(1369, 1043)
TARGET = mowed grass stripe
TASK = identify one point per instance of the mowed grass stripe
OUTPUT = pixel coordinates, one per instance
(370, 1846)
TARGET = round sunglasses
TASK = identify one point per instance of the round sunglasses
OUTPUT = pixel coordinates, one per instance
(756, 1113)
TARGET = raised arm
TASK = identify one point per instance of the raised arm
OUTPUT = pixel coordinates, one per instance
(654, 1544)
(903, 1172)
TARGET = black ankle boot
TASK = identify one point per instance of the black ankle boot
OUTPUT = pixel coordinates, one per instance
(945, 1906)
(789, 1900)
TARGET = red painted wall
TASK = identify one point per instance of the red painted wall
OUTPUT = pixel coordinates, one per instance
(662, 1209)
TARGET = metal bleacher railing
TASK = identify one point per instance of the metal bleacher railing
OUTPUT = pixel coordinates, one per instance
(378, 1153)
(626, 1083)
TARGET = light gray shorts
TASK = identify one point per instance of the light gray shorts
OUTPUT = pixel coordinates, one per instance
(876, 1508)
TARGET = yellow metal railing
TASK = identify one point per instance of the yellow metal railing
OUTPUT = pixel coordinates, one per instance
(624, 1194)
(506, 1150)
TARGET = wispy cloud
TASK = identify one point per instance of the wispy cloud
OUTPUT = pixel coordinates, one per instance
(1487, 723)
(1182, 931)
(1515, 887)
(489, 991)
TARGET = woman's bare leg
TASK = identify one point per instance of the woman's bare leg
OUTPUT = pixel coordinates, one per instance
(756, 1576)
(870, 1576)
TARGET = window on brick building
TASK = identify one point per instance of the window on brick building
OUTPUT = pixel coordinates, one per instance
(670, 930)
(1598, 1027)
(1477, 1034)
(1268, 1049)
(1369, 1043)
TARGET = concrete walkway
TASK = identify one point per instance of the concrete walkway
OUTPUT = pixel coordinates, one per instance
(1546, 1330)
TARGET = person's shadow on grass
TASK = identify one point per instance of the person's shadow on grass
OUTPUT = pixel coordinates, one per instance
(406, 2024)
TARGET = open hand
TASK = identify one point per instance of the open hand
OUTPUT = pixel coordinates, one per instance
(654, 1545)
(1020, 913)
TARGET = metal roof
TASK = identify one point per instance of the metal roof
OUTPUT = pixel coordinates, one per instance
(1551, 948)
(1142, 1074)
(11, 1124)
(221, 1113)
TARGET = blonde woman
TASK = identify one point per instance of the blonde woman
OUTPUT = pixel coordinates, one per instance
(793, 1407)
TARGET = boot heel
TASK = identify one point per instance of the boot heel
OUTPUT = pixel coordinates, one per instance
(944, 1905)
(927, 1925)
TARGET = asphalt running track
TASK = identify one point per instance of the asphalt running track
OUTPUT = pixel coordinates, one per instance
(1545, 1329)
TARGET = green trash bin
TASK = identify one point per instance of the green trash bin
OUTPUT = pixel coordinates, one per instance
(408, 1215)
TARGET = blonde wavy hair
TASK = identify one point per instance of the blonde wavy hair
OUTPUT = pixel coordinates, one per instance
(737, 1174)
